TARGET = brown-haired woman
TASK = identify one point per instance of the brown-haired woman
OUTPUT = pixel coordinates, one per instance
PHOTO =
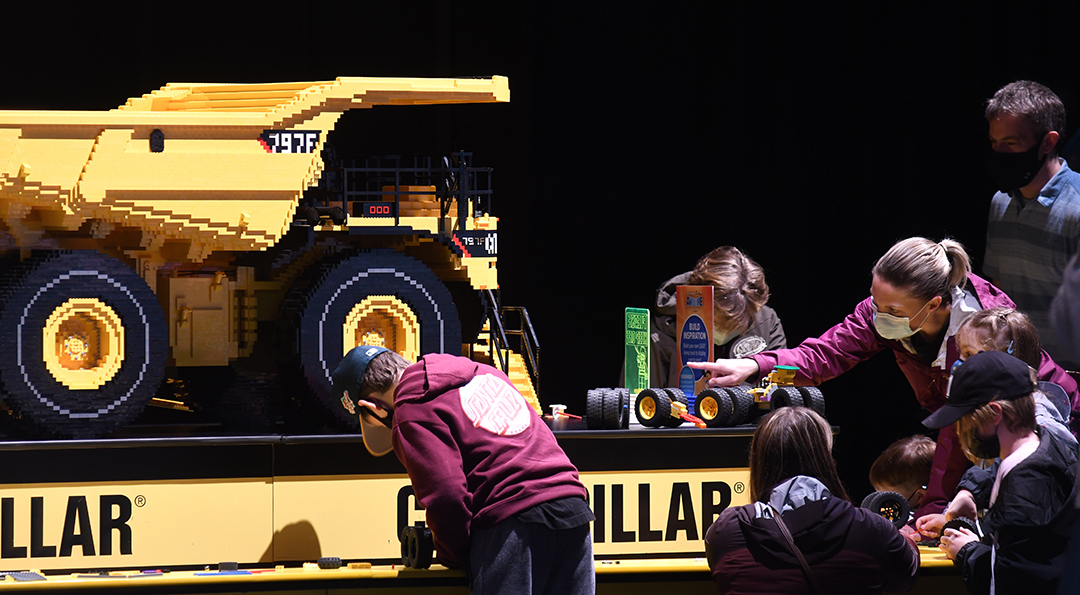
(921, 291)
(847, 549)
(742, 322)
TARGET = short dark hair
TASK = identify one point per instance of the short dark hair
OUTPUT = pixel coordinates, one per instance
(739, 285)
(382, 372)
(1036, 104)
(908, 460)
(792, 441)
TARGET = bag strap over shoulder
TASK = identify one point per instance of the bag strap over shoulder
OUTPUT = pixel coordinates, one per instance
(798, 553)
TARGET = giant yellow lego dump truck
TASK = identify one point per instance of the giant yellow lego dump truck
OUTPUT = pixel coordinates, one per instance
(171, 238)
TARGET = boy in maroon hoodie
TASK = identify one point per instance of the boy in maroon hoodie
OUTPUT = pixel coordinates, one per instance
(501, 496)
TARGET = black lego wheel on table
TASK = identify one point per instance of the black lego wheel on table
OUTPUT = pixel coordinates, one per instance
(677, 396)
(329, 562)
(624, 407)
(653, 405)
(594, 409)
(813, 399)
(318, 312)
(714, 406)
(961, 522)
(785, 396)
(417, 546)
(891, 505)
(612, 410)
(742, 402)
(86, 342)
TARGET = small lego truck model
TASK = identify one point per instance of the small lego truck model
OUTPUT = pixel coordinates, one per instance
(171, 239)
(735, 405)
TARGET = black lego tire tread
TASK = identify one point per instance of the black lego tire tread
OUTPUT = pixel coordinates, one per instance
(676, 395)
(724, 407)
(662, 403)
(961, 522)
(329, 562)
(612, 404)
(624, 411)
(29, 293)
(892, 506)
(813, 399)
(741, 404)
(323, 299)
(594, 409)
(785, 396)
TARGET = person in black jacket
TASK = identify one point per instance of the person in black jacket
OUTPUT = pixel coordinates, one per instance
(1029, 504)
(848, 549)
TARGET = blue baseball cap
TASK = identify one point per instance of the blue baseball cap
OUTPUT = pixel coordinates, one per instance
(346, 389)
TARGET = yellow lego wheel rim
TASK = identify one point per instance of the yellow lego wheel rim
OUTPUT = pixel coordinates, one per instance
(385, 321)
(83, 344)
(709, 408)
(647, 409)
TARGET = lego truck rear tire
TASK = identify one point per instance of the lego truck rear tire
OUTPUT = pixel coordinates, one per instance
(85, 342)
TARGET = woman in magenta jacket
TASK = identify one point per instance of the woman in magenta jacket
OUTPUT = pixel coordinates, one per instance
(921, 291)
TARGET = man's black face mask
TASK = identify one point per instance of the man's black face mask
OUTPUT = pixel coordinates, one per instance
(1012, 171)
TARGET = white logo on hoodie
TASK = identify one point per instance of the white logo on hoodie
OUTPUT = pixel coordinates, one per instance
(494, 405)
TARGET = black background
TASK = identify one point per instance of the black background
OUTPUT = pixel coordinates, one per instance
(638, 137)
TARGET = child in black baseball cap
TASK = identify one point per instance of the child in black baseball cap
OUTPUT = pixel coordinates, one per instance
(1029, 509)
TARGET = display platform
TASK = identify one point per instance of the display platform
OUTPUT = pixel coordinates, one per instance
(612, 576)
(157, 514)
(189, 502)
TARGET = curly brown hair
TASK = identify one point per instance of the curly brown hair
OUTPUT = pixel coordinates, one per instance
(739, 288)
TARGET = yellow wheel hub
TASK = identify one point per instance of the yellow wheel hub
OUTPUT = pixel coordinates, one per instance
(647, 409)
(385, 321)
(83, 344)
(709, 408)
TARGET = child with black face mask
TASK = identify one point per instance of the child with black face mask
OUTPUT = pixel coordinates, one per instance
(1029, 506)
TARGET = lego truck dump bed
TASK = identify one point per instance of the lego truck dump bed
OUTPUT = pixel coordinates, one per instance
(200, 167)
(171, 238)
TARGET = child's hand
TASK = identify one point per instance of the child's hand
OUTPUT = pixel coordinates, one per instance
(910, 532)
(963, 505)
(930, 525)
(954, 539)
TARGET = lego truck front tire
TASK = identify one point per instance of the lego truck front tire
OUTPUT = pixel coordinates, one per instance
(85, 343)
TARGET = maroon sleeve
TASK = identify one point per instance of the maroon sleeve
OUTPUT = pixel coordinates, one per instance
(434, 464)
(948, 467)
(836, 351)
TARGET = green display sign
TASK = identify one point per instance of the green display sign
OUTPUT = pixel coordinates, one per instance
(637, 349)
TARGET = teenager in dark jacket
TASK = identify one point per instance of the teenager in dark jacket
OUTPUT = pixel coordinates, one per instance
(848, 549)
(502, 498)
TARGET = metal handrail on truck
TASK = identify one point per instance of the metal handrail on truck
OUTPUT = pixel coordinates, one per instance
(528, 345)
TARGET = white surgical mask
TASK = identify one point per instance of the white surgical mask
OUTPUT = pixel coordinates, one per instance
(891, 326)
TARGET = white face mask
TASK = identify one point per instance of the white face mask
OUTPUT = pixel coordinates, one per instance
(891, 326)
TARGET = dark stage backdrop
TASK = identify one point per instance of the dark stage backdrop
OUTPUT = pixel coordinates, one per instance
(637, 139)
